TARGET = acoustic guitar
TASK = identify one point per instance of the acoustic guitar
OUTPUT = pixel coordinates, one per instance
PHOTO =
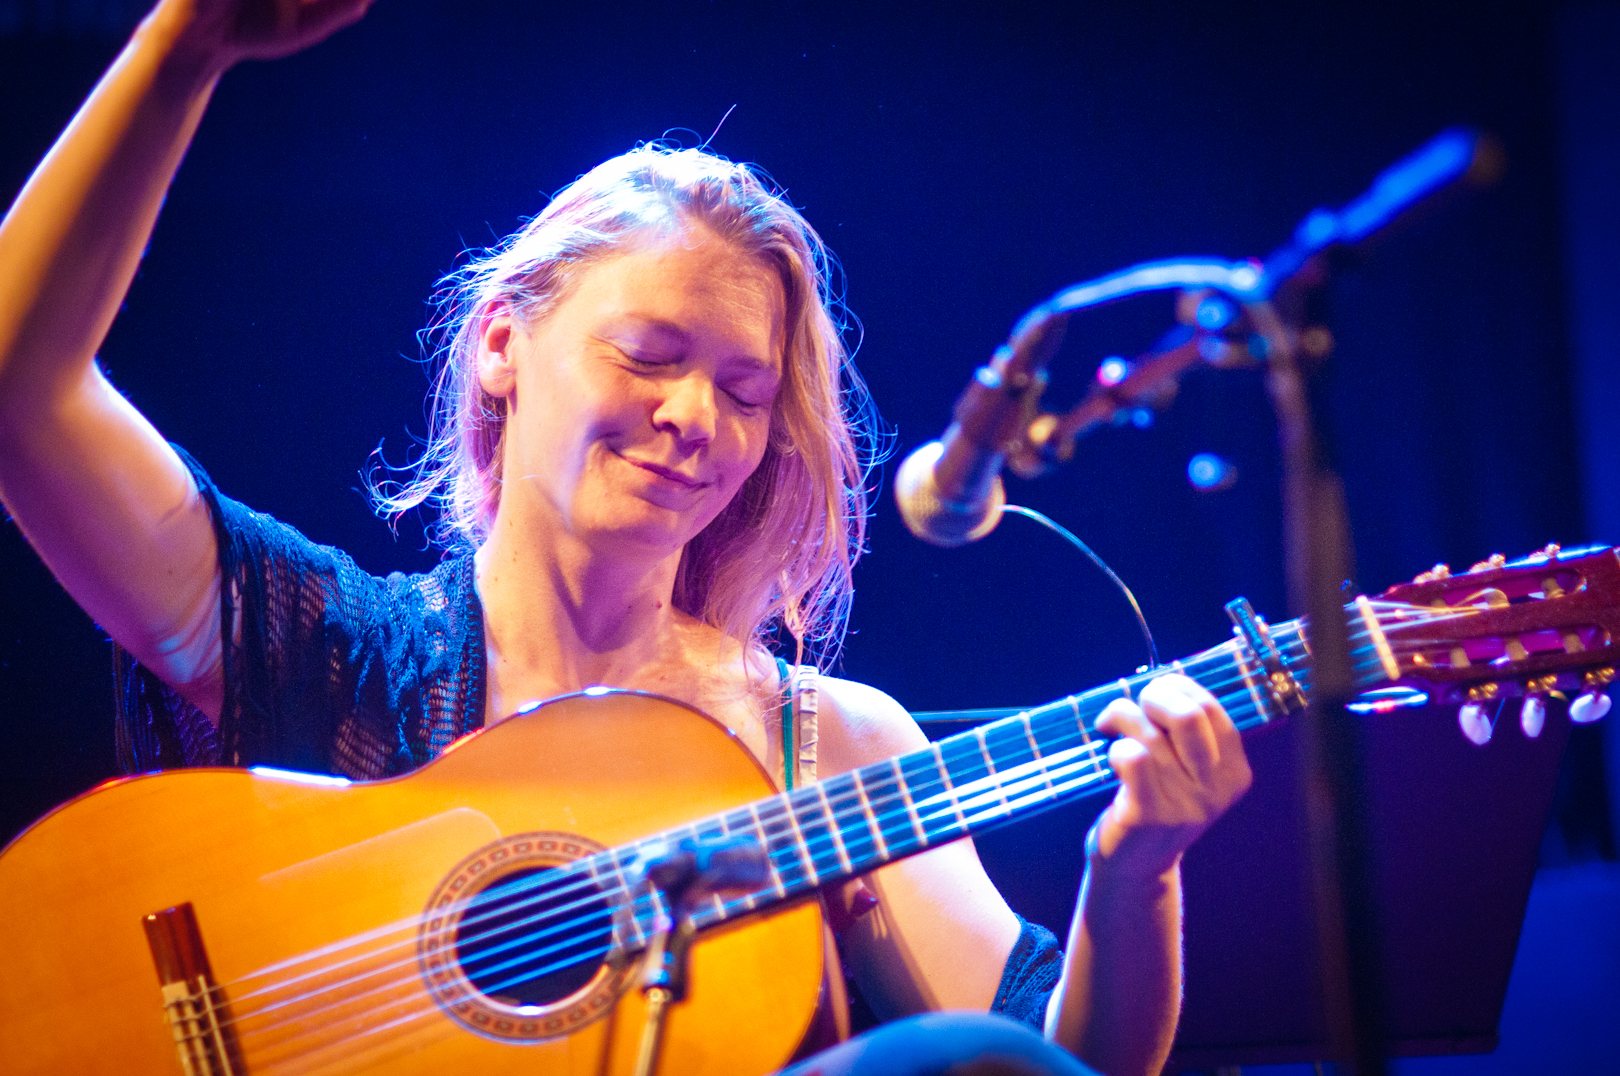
(484, 913)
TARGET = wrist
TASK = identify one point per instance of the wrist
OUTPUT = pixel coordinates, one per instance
(191, 52)
(1130, 859)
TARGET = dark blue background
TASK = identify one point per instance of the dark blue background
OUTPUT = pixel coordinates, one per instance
(963, 162)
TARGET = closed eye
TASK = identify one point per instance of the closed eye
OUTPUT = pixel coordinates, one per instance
(746, 404)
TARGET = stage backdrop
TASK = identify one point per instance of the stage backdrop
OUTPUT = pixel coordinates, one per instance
(963, 166)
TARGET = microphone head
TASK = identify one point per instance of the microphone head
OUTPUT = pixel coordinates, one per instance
(930, 516)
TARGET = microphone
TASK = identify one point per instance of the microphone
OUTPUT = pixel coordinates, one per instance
(950, 491)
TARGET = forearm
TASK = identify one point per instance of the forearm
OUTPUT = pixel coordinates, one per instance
(1117, 1004)
(100, 495)
(71, 242)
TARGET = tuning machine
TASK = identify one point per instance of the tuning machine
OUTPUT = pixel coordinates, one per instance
(1471, 717)
(1533, 711)
(1592, 703)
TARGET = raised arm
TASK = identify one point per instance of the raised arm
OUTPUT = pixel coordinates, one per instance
(99, 494)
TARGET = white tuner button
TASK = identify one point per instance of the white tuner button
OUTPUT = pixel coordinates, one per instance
(1589, 707)
(1475, 725)
(1533, 716)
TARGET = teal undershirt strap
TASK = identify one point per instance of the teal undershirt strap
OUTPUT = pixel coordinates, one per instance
(787, 725)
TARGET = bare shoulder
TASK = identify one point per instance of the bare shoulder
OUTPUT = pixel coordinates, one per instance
(860, 724)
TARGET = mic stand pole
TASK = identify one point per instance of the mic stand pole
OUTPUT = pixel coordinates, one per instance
(1277, 294)
(1331, 762)
(693, 870)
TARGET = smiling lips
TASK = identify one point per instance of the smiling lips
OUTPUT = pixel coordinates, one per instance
(670, 475)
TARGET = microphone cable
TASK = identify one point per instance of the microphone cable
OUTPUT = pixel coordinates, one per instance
(1069, 536)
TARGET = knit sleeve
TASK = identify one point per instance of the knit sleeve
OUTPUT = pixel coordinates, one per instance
(1031, 974)
(316, 662)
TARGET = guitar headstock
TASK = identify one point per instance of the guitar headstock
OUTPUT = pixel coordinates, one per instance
(1539, 626)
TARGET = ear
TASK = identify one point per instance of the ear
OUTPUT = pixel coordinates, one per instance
(499, 338)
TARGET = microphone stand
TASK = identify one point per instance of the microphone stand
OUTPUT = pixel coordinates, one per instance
(1331, 758)
(1236, 312)
(691, 871)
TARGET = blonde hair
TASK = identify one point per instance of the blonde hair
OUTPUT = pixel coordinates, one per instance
(782, 552)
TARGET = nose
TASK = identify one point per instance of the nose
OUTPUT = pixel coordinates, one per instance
(688, 409)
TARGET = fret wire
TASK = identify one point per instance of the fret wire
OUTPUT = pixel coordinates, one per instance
(949, 790)
(786, 840)
(770, 861)
(1034, 748)
(713, 827)
(616, 859)
(990, 765)
(961, 764)
(892, 812)
(748, 900)
(804, 807)
(833, 828)
(911, 806)
(871, 818)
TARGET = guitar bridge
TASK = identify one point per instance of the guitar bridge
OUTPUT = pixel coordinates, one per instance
(1280, 682)
(192, 1002)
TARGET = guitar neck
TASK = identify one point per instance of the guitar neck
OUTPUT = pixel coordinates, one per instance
(969, 783)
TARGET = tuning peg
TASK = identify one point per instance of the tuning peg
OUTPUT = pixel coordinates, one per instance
(1495, 560)
(1590, 706)
(1593, 703)
(1533, 715)
(1474, 724)
(1439, 571)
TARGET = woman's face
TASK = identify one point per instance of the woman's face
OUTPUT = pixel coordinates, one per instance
(640, 403)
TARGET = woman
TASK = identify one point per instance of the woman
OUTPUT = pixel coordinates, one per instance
(643, 438)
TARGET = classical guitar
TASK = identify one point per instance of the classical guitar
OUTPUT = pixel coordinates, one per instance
(483, 914)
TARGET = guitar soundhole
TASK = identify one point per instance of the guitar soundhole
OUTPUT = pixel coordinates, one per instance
(534, 937)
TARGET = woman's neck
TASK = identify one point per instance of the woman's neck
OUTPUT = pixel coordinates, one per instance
(560, 616)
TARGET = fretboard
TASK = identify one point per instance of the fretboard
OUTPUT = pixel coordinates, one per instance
(969, 783)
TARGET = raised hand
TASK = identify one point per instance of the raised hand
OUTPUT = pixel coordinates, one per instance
(232, 30)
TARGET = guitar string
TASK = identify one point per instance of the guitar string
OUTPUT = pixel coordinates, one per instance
(426, 1009)
(774, 813)
(1007, 784)
(1207, 654)
(552, 890)
(946, 808)
(413, 977)
(768, 820)
(610, 893)
(978, 816)
(967, 794)
(693, 829)
(427, 1005)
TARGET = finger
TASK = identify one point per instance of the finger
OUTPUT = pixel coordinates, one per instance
(318, 18)
(1186, 712)
(1232, 761)
(1126, 757)
(1122, 717)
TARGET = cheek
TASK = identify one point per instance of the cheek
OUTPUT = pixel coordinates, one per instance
(752, 438)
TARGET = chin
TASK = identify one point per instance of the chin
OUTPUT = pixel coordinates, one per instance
(657, 533)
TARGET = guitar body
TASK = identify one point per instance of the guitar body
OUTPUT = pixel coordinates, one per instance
(276, 869)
